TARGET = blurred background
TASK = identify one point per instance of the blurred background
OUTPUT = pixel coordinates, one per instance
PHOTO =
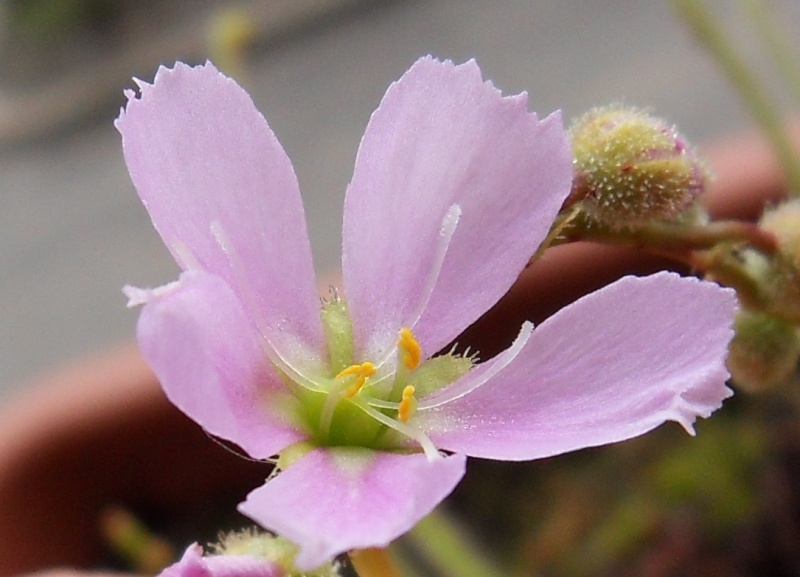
(72, 231)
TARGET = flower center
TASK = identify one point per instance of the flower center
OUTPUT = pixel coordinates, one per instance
(363, 404)
(371, 403)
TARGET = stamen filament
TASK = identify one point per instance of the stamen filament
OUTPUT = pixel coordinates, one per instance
(381, 404)
(497, 364)
(185, 256)
(269, 349)
(411, 432)
(446, 232)
(326, 417)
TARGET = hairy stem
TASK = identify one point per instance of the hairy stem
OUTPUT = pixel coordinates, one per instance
(679, 236)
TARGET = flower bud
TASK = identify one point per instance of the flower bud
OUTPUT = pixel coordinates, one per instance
(195, 563)
(630, 167)
(254, 544)
(782, 276)
(764, 351)
(784, 222)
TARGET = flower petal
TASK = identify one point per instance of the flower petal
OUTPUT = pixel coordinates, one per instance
(207, 355)
(333, 500)
(442, 138)
(613, 365)
(190, 565)
(241, 566)
(193, 564)
(223, 196)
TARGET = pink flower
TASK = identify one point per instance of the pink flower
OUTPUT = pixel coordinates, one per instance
(194, 564)
(454, 188)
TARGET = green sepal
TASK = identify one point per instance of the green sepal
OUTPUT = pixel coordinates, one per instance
(438, 372)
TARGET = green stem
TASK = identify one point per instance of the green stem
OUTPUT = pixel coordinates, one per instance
(775, 41)
(702, 23)
(129, 538)
(680, 236)
(445, 546)
(555, 236)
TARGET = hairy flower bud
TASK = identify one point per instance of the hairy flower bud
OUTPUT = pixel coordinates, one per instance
(765, 351)
(195, 563)
(252, 543)
(630, 167)
(782, 276)
(784, 222)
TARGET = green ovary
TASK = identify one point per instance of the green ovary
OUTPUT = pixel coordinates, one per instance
(357, 405)
(349, 425)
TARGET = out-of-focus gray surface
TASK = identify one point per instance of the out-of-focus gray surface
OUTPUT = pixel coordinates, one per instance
(72, 231)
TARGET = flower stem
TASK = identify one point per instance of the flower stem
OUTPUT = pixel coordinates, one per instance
(701, 22)
(374, 562)
(680, 236)
(561, 224)
(129, 538)
(449, 550)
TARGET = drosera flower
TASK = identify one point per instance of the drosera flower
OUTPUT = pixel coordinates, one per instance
(454, 188)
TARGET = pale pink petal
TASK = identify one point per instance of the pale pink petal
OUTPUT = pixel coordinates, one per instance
(337, 499)
(223, 196)
(241, 566)
(190, 565)
(445, 142)
(193, 564)
(209, 360)
(611, 366)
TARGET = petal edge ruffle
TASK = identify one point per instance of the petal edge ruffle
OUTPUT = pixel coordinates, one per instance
(443, 137)
(613, 365)
(223, 195)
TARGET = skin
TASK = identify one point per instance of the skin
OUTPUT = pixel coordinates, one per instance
(101, 433)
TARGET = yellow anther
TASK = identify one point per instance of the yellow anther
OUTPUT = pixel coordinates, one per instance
(362, 372)
(409, 349)
(407, 405)
(357, 370)
(353, 389)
